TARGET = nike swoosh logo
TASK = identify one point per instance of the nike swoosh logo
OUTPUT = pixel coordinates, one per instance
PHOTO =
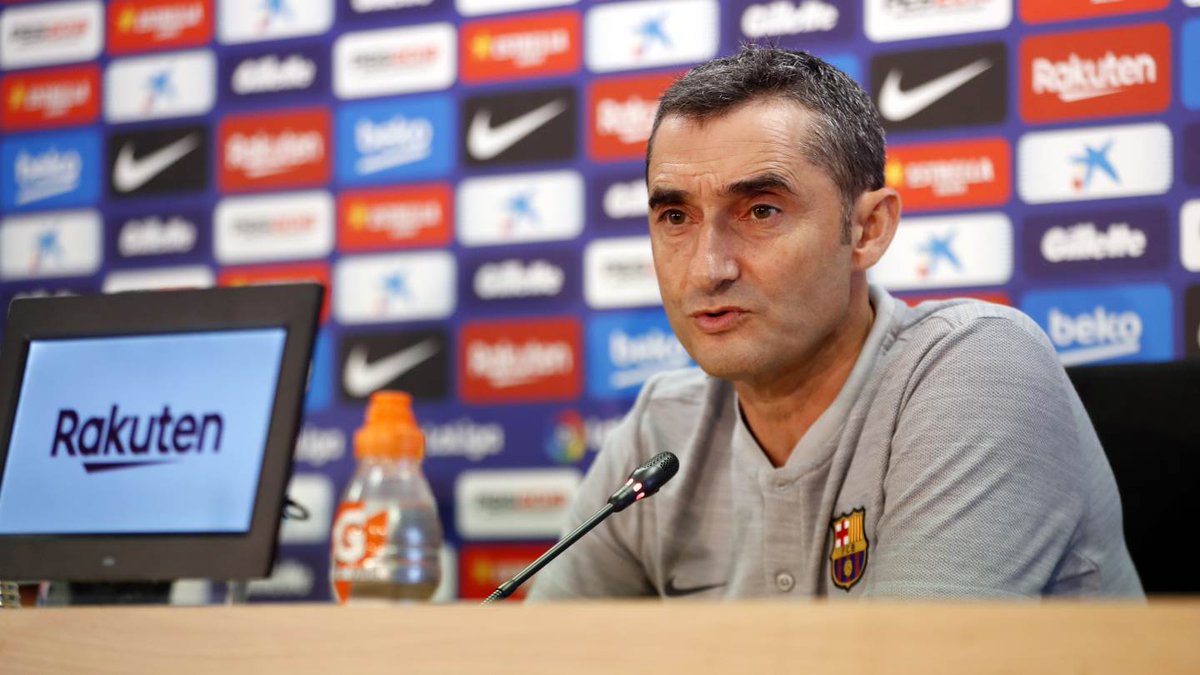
(673, 591)
(130, 174)
(360, 378)
(897, 105)
(485, 141)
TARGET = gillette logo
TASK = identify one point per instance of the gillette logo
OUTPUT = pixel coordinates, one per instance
(155, 236)
(785, 18)
(145, 440)
(626, 200)
(270, 74)
(1083, 241)
(514, 278)
(1099, 335)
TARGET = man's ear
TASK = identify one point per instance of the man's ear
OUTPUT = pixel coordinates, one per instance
(873, 223)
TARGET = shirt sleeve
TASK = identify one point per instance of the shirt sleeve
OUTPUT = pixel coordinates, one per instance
(982, 492)
(604, 563)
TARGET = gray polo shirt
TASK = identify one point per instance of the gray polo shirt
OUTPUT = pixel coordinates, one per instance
(956, 461)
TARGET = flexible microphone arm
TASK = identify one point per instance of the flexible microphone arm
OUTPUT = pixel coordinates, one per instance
(643, 482)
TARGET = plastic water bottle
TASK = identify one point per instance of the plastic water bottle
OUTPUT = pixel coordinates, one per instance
(386, 535)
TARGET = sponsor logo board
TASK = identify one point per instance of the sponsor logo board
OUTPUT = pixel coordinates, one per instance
(179, 84)
(1094, 163)
(1105, 324)
(279, 274)
(51, 33)
(479, 7)
(417, 362)
(482, 569)
(619, 272)
(531, 46)
(44, 99)
(1096, 73)
(318, 446)
(274, 150)
(376, 10)
(159, 278)
(395, 140)
(394, 287)
(618, 198)
(50, 244)
(394, 61)
(1189, 235)
(401, 217)
(994, 297)
(50, 170)
(796, 24)
(265, 228)
(1189, 63)
(944, 87)
(463, 437)
(275, 77)
(520, 361)
(951, 175)
(625, 349)
(650, 34)
(621, 115)
(947, 252)
(144, 25)
(527, 126)
(242, 21)
(549, 279)
(889, 20)
(1095, 243)
(165, 161)
(515, 504)
(518, 208)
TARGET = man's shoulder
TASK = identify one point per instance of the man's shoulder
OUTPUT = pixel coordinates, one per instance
(936, 319)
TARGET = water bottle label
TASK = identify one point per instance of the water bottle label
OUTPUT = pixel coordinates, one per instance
(358, 539)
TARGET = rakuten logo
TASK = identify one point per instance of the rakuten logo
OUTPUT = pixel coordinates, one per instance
(394, 61)
(274, 150)
(958, 174)
(507, 49)
(50, 33)
(417, 215)
(117, 438)
(622, 115)
(158, 24)
(463, 437)
(45, 99)
(1105, 324)
(1101, 73)
(265, 228)
(620, 273)
(888, 20)
(153, 235)
(523, 504)
(520, 361)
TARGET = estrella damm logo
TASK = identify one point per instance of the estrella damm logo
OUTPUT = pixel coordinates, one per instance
(849, 557)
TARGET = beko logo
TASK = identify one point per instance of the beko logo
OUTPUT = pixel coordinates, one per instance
(390, 143)
(1099, 334)
(514, 278)
(318, 446)
(270, 73)
(46, 174)
(153, 235)
(1107, 323)
(786, 18)
(116, 437)
(1084, 241)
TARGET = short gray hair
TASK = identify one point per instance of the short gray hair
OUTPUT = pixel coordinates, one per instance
(847, 139)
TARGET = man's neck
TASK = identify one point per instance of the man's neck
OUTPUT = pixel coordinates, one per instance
(780, 410)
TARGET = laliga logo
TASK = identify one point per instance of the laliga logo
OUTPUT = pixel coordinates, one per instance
(128, 441)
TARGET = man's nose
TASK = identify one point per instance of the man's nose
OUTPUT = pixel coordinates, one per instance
(714, 262)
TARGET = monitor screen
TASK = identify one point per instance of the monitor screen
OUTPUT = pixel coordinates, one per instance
(141, 434)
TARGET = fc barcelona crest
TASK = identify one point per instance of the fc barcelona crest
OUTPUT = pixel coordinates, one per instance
(849, 557)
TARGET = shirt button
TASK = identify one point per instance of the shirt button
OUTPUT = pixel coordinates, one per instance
(784, 581)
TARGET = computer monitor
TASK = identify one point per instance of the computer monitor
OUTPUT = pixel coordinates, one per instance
(149, 435)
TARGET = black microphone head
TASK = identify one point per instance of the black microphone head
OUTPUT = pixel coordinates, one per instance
(646, 480)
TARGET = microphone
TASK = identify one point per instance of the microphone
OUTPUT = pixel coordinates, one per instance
(643, 482)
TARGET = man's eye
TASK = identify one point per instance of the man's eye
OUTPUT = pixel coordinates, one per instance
(763, 212)
(674, 217)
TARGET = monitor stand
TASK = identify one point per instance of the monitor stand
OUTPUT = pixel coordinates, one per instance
(82, 594)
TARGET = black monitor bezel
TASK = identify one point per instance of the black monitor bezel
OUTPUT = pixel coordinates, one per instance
(139, 557)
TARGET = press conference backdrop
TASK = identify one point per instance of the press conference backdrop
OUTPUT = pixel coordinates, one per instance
(467, 178)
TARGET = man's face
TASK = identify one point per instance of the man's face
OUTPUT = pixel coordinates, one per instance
(747, 240)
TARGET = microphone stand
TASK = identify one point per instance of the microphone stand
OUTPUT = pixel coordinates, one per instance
(506, 589)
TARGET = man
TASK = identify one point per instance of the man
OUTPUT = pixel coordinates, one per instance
(837, 441)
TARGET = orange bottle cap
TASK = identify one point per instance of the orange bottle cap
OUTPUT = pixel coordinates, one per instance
(390, 430)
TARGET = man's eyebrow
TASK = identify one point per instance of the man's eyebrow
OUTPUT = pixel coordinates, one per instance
(661, 196)
(767, 182)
